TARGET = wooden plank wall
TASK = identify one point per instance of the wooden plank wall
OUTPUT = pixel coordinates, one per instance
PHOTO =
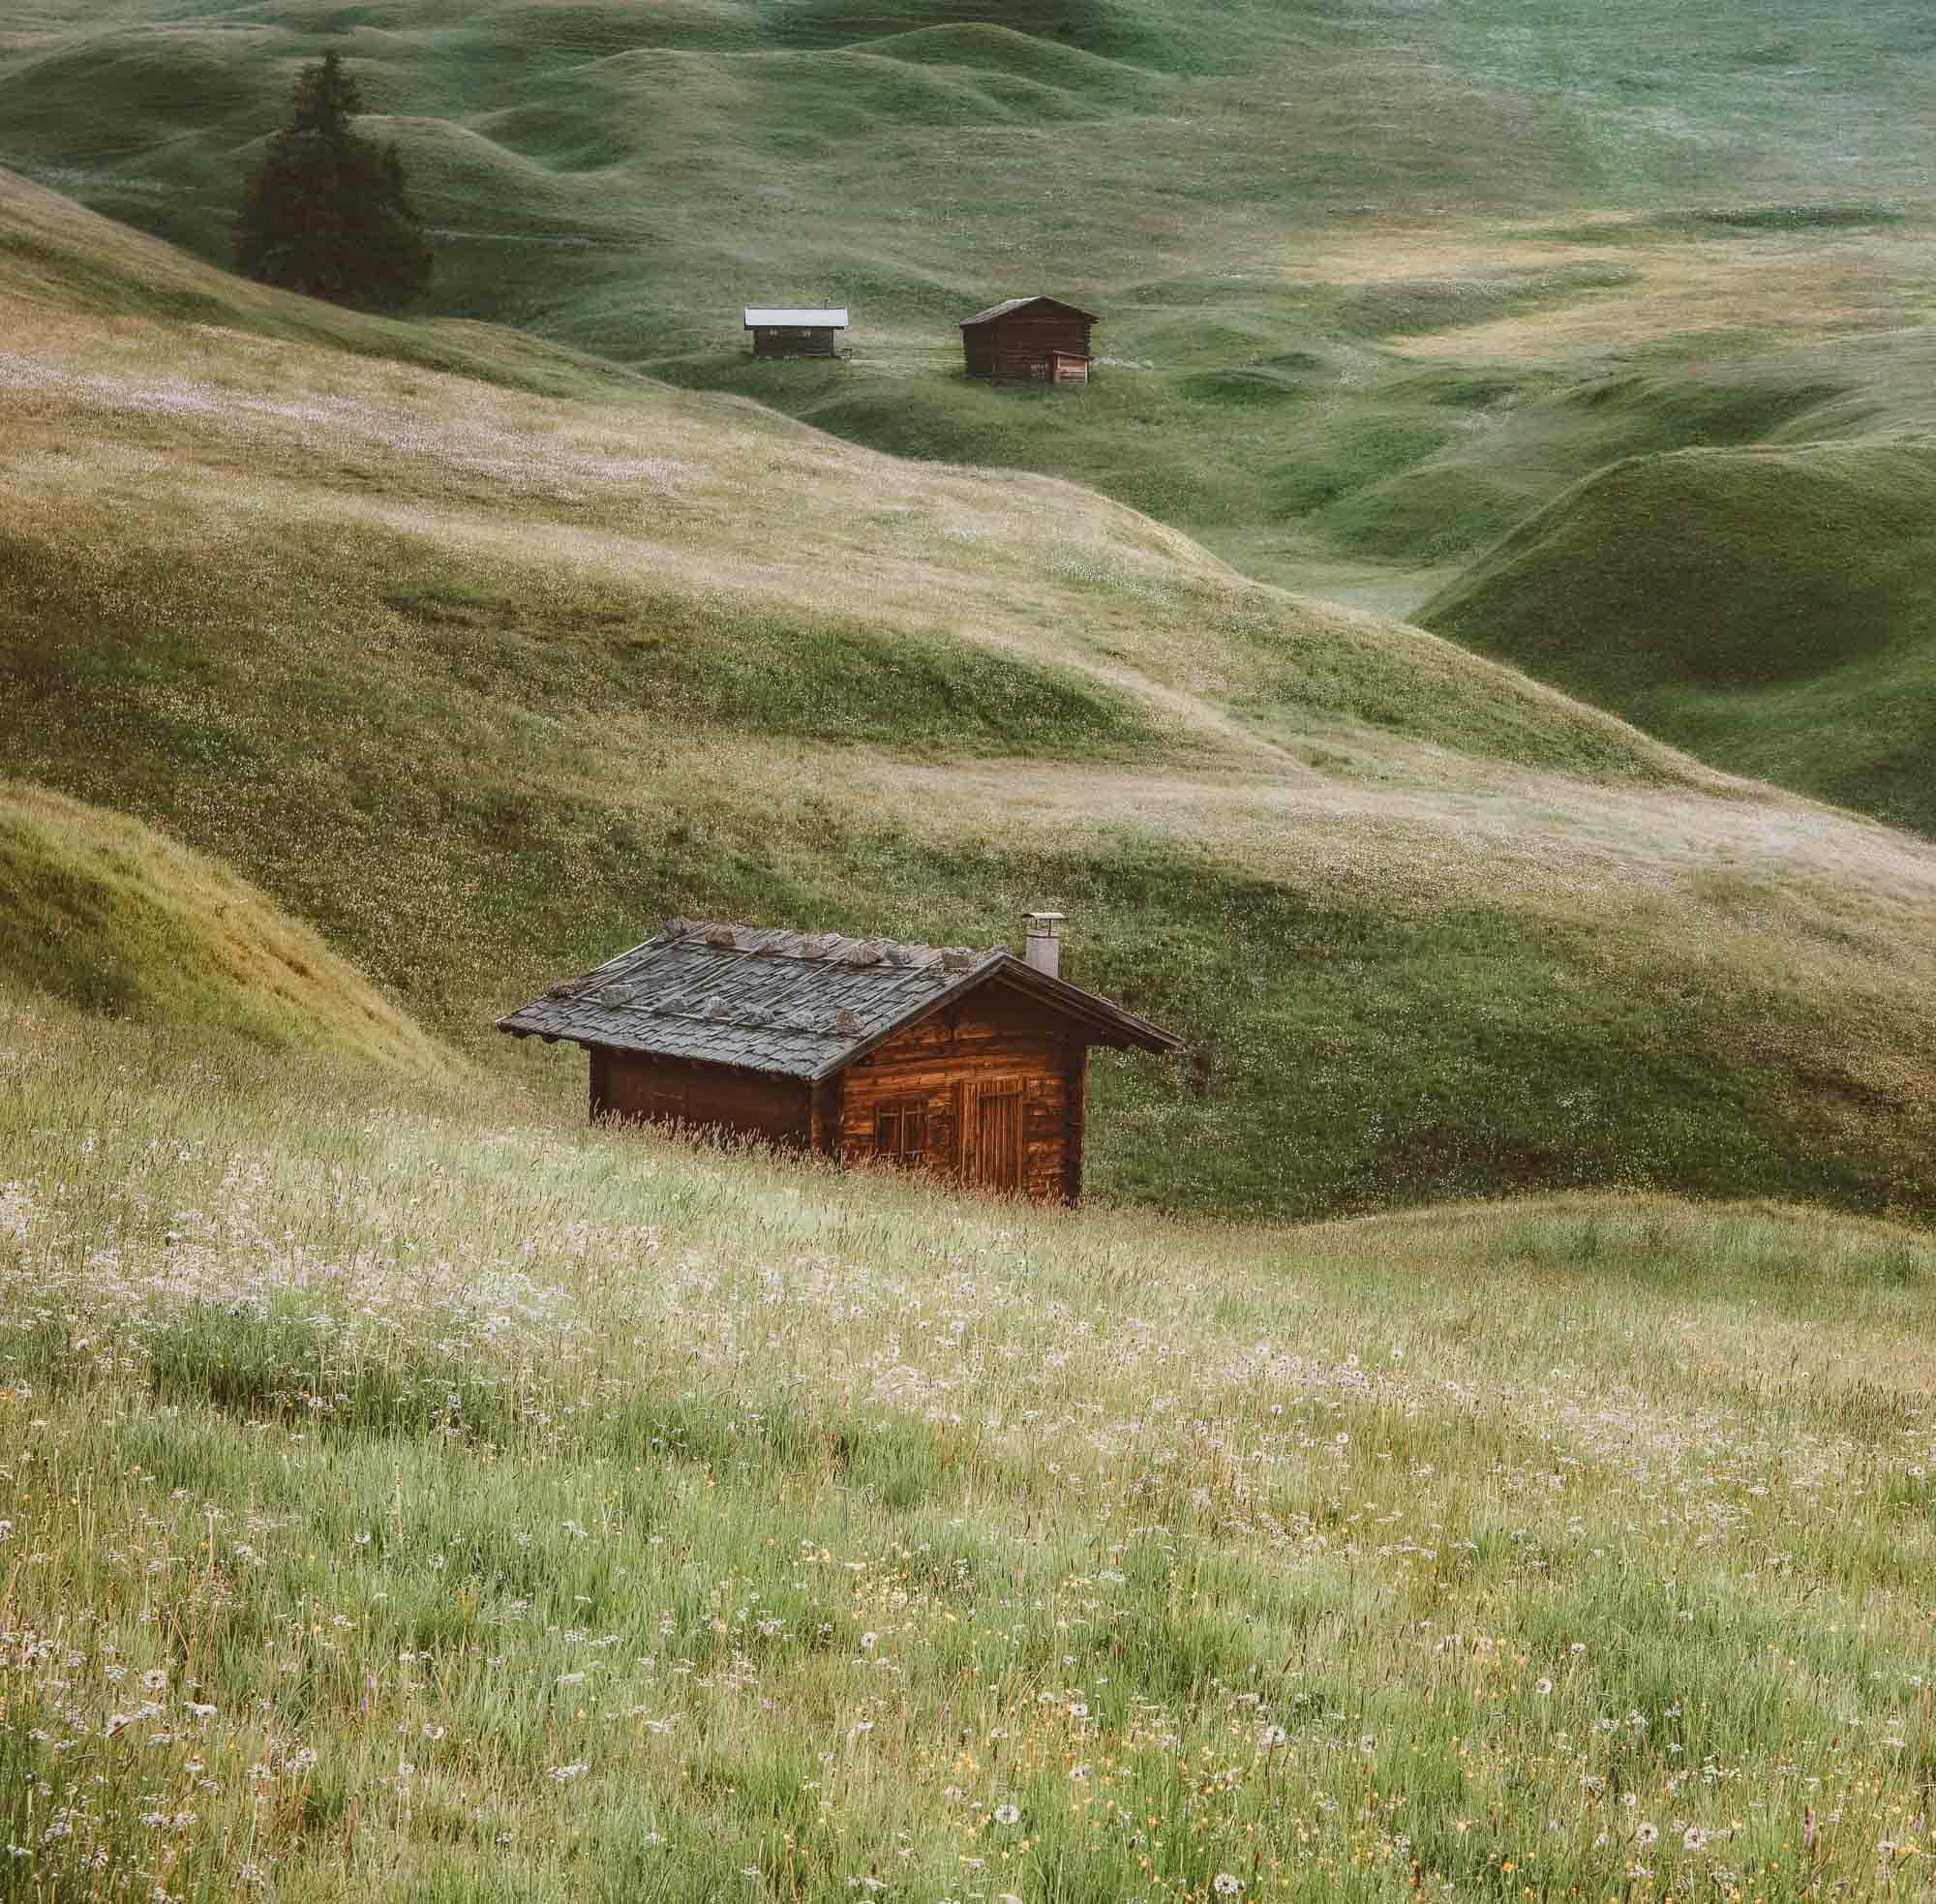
(996, 1045)
(793, 341)
(659, 1090)
(1009, 349)
(1022, 1060)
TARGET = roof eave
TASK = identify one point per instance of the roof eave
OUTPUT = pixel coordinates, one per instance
(968, 979)
(1112, 1023)
(587, 1042)
(1008, 309)
(1076, 999)
(1128, 1027)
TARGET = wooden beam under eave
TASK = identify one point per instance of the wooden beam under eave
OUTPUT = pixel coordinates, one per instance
(1077, 1115)
(823, 1115)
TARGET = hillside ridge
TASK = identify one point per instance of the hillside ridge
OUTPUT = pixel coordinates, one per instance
(105, 914)
(481, 676)
(1765, 606)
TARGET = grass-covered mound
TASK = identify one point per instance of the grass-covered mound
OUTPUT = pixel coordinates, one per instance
(1238, 189)
(1771, 609)
(404, 1498)
(655, 157)
(54, 257)
(106, 915)
(483, 683)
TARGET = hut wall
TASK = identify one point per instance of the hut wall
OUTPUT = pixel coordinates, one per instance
(795, 341)
(1023, 347)
(628, 1084)
(989, 1095)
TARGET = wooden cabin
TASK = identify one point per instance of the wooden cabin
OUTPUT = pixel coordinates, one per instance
(1029, 340)
(791, 333)
(969, 1064)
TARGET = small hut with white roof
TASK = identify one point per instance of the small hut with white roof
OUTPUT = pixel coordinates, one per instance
(783, 331)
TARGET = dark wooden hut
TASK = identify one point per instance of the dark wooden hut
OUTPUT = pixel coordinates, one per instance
(1029, 340)
(793, 333)
(970, 1064)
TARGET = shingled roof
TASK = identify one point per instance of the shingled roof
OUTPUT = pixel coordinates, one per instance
(1009, 304)
(802, 1005)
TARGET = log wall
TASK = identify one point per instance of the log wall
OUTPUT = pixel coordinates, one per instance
(664, 1091)
(795, 341)
(988, 1094)
(1023, 347)
(994, 1093)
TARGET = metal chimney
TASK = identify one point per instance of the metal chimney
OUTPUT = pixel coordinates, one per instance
(1043, 947)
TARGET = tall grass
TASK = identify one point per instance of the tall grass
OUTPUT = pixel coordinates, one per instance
(397, 1493)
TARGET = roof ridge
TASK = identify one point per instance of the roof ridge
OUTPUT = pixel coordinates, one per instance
(769, 999)
(1008, 304)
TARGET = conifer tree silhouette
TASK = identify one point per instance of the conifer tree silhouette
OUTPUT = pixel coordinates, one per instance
(326, 212)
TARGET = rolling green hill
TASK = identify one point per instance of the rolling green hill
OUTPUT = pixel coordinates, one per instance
(480, 675)
(110, 918)
(622, 168)
(1770, 608)
(1379, 282)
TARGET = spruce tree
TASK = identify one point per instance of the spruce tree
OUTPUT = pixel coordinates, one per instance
(326, 212)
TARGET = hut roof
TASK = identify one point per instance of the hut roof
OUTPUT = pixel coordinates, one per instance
(804, 1005)
(1009, 304)
(779, 320)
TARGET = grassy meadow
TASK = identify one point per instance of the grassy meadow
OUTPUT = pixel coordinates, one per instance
(1380, 282)
(482, 676)
(1476, 1441)
(400, 1491)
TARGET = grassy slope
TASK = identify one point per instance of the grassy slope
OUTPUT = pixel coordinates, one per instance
(1771, 608)
(396, 1500)
(623, 170)
(481, 682)
(115, 918)
(1350, 290)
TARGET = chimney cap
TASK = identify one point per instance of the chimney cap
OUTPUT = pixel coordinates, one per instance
(1045, 918)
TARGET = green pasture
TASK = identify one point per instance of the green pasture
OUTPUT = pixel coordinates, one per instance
(401, 1490)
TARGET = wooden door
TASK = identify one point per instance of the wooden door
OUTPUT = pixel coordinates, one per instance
(994, 1147)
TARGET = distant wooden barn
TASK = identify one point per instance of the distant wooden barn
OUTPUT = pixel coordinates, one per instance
(1029, 340)
(969, 1064)
(790, 333)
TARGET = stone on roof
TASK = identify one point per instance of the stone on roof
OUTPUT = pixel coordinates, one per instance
(804, 1005)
